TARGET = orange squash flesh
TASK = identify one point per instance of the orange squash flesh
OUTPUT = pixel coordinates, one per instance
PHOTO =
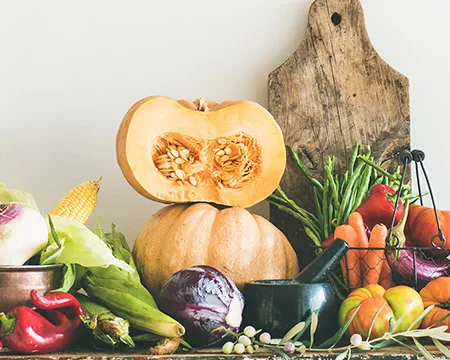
(177, 151)
(243, 246)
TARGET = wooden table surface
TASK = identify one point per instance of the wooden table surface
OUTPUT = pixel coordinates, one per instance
(78, 353)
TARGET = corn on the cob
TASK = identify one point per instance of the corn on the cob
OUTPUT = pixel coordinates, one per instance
(127, 305)
(79, 203)
(106, 327)
(123, 293)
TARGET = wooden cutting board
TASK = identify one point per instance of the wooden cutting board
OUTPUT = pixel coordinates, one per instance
(334, 90)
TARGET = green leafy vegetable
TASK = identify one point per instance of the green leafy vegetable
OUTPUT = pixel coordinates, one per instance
(15, 196)
(79, 245)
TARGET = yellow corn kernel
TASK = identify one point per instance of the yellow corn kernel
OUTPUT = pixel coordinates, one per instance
(79, 203)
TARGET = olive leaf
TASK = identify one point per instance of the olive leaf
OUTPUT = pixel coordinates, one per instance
(382, 344)
(283, 354)
(341, 356)
(292, 332)
(418, 320)
(404, 344)
(422, 349)
(331, 342)
(442, 348)
(433, 332)
(301, 332)
(313, 328)
(372, 323)
(397, 323)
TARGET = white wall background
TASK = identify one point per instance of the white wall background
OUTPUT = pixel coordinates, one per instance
(70, 70)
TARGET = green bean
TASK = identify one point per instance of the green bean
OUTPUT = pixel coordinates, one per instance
(277, 198)
(353, 158)
(352, 203)
(379, 169)
(318, 206)
(348, 192)
(325, 208)
(334, 190)
(363, 188)
(337, 181)
(304, 170)
(295, 206)
(313, 236)
(379, 180)
(304, 220)
(330, 217)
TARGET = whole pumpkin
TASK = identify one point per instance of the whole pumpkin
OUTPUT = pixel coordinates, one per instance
(243, 246)
(171, 151)
(437, 293)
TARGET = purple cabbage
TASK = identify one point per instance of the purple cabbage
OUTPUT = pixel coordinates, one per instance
(202, 299)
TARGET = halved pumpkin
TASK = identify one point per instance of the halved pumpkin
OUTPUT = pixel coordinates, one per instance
(178, 151)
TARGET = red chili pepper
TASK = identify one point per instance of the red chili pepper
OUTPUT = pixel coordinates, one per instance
(25, 331)
(377, 208)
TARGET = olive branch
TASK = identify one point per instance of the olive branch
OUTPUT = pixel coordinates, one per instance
(391, 337)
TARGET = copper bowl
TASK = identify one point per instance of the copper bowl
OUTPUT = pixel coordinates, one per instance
(16, 282)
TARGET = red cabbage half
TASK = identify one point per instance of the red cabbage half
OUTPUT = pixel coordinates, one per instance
(202, 299)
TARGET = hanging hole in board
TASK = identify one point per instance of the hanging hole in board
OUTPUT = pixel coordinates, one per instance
(336, 18)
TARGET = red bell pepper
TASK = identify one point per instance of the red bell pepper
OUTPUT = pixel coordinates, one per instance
(377, 208)
(25, 331)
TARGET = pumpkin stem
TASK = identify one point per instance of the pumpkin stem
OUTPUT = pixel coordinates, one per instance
(445, 305)
(202, 105)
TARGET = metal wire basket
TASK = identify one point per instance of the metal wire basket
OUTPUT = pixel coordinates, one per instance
(407, 265)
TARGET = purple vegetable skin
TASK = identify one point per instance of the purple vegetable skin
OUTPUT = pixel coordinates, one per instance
(202, 299)
(402, 261)
(426, 270)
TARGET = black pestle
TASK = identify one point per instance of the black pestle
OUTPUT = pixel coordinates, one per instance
(320, 268)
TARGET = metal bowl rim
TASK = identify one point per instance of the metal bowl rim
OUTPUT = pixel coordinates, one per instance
(27, 268)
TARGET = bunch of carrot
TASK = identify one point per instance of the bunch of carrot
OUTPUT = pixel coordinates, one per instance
(366, 264)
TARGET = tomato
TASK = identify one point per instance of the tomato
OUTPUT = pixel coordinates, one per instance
(421, 229)
(394, 302)
(437, 293)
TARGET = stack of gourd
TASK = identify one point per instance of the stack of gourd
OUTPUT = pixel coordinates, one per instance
(212, 161)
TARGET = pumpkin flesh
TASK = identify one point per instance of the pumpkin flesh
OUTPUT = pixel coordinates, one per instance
(243, 246)
(232, 154)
